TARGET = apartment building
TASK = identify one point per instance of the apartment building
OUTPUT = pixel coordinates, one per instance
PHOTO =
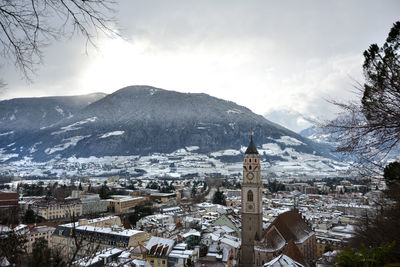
(120, 204)
(94, 238)
(91, 203)
(37, 232)
(52, 209)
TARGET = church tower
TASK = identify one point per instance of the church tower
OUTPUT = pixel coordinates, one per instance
(252, 211)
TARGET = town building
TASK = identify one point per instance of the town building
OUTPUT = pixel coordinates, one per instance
(8, 200)
(123, 203)
(182, 256)
(230, 220)
(158, 250)
(94, 235)
(37, 232)
(91, 203)
(9, 207)
(52, 209)
(107, 221)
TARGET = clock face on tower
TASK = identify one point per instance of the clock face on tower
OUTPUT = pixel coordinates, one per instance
(250, 176)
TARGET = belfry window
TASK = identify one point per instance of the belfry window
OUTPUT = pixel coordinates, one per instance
(250, 196)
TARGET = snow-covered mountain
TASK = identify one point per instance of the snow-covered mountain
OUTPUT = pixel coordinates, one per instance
(143, 122)
(40, 112)
(317, 135)
(320, 136)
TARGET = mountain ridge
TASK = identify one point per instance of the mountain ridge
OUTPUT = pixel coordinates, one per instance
(142, 120)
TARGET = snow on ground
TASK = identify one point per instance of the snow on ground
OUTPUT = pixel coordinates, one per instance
(73, 126)
(227, 152)
(271, 149)
(5, 156)
(234, 111)
(320, 138)
(33, 148)
(153, 91)
(192, 148)
(59, 110)
(179, 163)
(112, 134)
(72, 141)
(48, 126)
(6, 133)
(290, 141)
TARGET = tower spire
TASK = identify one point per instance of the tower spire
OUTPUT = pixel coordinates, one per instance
(251, 149)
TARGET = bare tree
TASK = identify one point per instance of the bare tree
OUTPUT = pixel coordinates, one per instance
(80, 245)
(27, 26)
(12, 245)
(370, 128)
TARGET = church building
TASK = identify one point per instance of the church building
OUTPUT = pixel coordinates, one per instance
(252, 212)
(288, 234)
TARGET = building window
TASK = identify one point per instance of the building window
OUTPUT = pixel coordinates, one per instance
(250, 196)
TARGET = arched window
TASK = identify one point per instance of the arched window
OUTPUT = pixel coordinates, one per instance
(250, 196)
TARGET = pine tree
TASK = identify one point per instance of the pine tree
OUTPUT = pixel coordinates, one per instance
(219, 198)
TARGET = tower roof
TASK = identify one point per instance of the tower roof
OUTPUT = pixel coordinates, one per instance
(251, 149)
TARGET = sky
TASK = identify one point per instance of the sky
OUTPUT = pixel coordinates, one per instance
(282, 59)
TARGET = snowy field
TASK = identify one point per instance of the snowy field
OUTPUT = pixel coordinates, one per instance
(183, 162)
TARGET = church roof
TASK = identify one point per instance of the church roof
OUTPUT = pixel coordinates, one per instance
(292, 251)
(274, 241)
(283, 261)
(251, 149)
(292, 226)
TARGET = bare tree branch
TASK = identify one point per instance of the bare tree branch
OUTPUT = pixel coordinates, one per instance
(28, 26)
(370, 129)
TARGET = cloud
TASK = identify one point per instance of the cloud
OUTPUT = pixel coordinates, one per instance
(268, 56)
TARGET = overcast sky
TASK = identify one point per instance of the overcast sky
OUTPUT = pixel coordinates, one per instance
(281, 59)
